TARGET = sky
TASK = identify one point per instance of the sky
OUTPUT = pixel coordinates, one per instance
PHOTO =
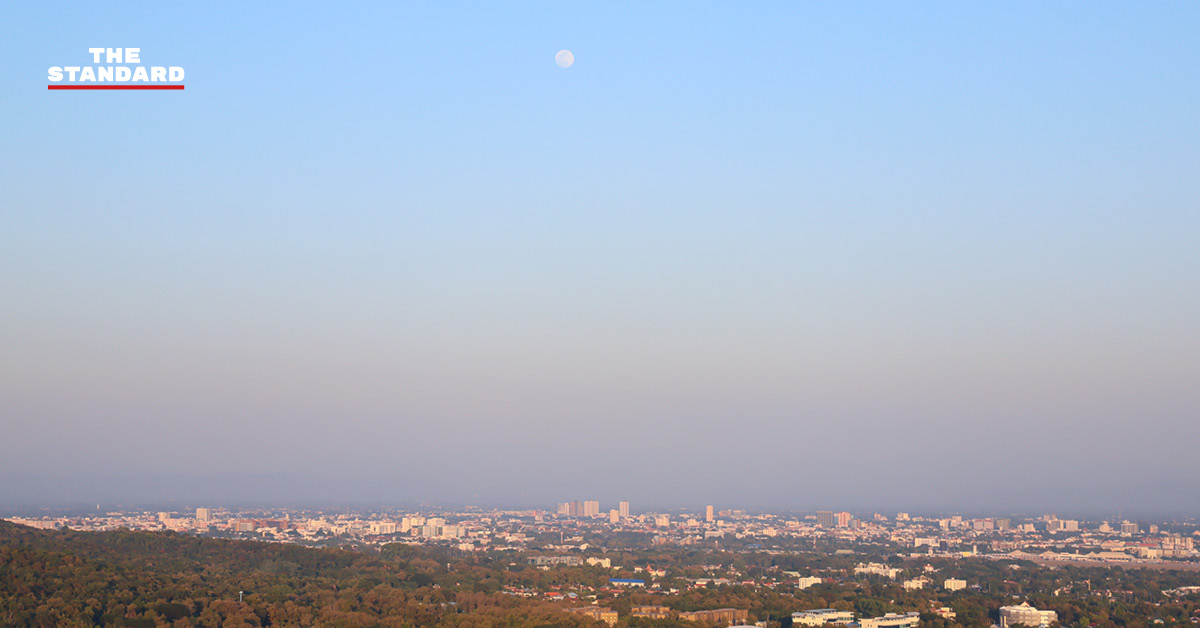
(777, 254)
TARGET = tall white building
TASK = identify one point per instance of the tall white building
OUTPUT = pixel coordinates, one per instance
(954, 584)
(1025, 615)
(203, 514)
(624, 509)
(591, 508)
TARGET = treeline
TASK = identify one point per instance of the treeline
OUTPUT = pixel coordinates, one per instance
(151, 580)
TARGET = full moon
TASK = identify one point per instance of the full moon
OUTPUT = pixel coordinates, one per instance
(564, 59)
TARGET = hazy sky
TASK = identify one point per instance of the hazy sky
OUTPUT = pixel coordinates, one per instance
(795, 253)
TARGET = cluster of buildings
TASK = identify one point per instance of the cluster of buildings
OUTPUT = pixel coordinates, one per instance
(553, 540)
(1045, 538)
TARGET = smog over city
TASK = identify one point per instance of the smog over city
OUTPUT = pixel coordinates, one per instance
(647, 315)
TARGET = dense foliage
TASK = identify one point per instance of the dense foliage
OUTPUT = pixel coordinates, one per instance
(158, 579)
(145, 580)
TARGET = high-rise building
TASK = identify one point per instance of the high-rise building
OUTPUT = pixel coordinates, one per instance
(203, 514)
(826, 518)
(708, 514)
(564, 508)
(843, 519)
(624, 508)
(1129, 528)
(576, 508)
(614, 516)
(591, 508)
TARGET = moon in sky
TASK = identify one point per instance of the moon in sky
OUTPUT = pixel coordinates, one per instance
(564, 59)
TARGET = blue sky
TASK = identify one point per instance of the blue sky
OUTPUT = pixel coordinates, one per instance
(396, 240)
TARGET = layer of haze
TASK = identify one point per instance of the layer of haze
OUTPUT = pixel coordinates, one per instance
(796, 255)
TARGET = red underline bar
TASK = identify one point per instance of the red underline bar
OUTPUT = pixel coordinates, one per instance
(114, 87)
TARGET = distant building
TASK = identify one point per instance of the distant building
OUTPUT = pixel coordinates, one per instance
(843, 519)
(891, 620)
(809, 581)
(604, 614)
(1129, 528)
(614, 516)
(954, 584)
(826, 518)
(651, 612)
(725, 616)
(40, 524)
(624, 508)
(662, 521)
(876, 569)
(549, 561)
(708, 514)
(1025, 615)
(627, 582)
(915, 583)
(203, 514)
(384, 527)
(1176, 545)
(1062, 525)
(591, 508)
(822, 616)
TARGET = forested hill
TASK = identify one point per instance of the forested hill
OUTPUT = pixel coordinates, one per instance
(150, 579)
